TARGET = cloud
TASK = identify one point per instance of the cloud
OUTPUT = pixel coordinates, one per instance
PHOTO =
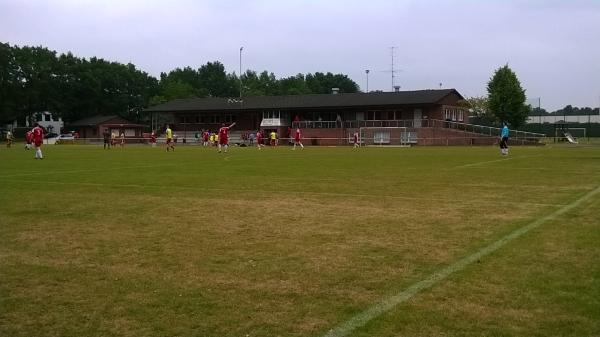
(550, 44)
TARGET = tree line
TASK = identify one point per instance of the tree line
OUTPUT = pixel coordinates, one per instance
(566, 111)
(34, 79)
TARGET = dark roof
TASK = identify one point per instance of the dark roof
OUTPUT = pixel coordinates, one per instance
(307, 101)
(94, 120)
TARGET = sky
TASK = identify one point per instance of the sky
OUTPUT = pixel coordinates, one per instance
(553, 46)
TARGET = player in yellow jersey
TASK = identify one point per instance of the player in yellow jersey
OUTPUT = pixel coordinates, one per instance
(169, 135)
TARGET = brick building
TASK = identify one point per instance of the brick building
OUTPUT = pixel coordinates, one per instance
(93, 127)
(329, 117)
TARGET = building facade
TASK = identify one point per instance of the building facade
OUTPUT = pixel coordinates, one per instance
(94, 127)
(332, 118)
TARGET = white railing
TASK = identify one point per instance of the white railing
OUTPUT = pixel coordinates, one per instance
(423, 123)
(317, 124)
(483, 130)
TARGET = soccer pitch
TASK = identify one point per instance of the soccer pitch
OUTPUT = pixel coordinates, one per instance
(422, 241)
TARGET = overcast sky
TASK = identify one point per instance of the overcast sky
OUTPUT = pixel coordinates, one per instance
(553, 46)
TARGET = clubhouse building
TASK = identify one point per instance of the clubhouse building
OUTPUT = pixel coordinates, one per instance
(325, 119)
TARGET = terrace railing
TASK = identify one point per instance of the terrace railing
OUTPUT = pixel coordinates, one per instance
(423, 123)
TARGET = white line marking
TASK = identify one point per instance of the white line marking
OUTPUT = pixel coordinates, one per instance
(492, 161)
(389, 303)
(349, 195)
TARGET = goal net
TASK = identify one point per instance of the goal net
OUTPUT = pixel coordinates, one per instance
(578, 132)
(387, 136)
(574, 133)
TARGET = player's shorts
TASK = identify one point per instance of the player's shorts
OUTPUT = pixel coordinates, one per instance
(169, 140)
(223, 141)
(38, 143)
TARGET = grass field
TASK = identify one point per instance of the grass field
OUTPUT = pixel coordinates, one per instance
(141, 242)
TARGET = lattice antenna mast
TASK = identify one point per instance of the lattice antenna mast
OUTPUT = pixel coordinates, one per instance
(393, 70)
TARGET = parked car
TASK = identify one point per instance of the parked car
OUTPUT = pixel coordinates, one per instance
(65, 138)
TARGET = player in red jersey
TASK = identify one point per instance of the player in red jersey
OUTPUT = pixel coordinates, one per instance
(259, 139)
(122, 139)
(297, 139)
(153, 138)
(38, 139)
(205, 137)
(355, 136)
(28, 140)
(224, 136)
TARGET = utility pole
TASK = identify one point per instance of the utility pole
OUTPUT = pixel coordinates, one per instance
(367, 72)
(540, 109)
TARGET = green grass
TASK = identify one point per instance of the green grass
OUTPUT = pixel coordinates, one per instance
(140, 242)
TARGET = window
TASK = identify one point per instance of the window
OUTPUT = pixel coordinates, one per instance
(271, 114)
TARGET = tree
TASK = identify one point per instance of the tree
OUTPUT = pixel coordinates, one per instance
(478, 106)
(479, 111)
(215, 82)
(293, 85)
(34, 79)
(37, 81)
(8, 83)
(506, 97)
(320, 83)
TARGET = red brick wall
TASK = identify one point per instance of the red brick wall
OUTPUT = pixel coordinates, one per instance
(325, 137)
(426, 136)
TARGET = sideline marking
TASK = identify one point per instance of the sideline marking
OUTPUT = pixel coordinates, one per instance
(389, 303)
(491, 161)
(351, 195)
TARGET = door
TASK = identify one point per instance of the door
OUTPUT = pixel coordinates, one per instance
(418, 115)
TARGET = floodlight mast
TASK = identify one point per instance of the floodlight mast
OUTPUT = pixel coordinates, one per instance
(241, 48)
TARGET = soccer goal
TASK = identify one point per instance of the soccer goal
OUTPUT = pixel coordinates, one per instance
(578, 133)
(572, 135)
(387, 136)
